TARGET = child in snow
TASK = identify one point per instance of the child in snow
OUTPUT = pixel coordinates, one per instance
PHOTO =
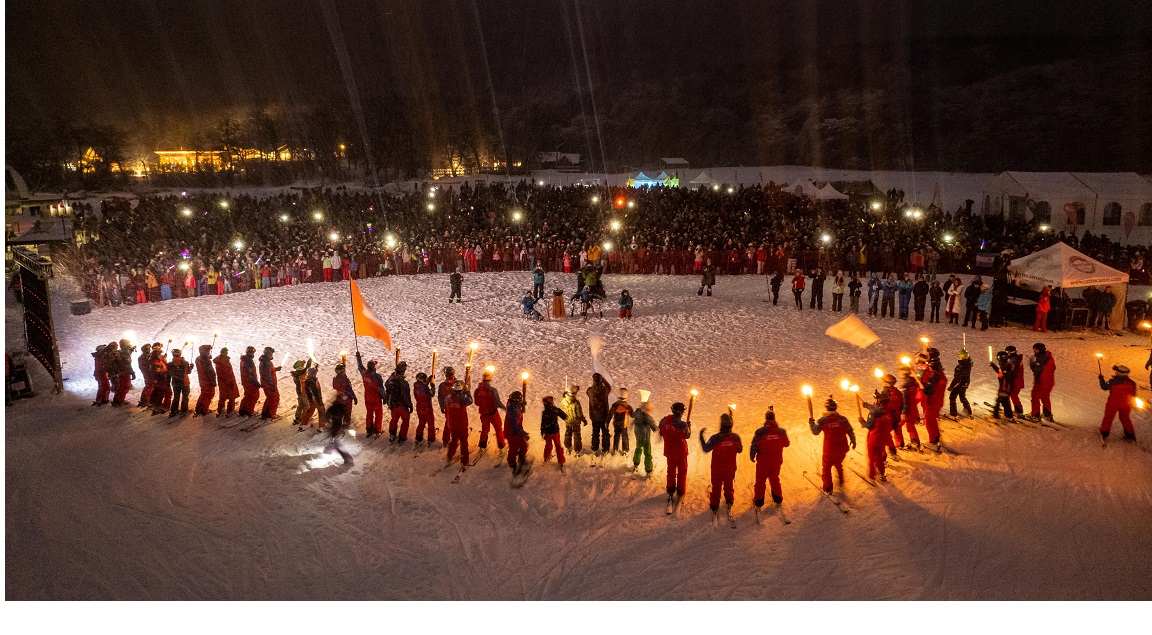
(643, 426)
(621, 411)
(550, 430)
(528, 305)
(625, 305)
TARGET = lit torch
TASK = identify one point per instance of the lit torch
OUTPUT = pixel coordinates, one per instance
(691, 400)
(731, 414)
(215, 334)
(397, 356)
(855, 390)
(472, 351)
(807, 392)
(989, 354)
(924, 344)
(523, 385)
(433, 375)
(1099, 366)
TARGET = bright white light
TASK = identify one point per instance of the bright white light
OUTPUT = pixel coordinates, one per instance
(516, 216)
(283, 218)
(826, 238)
(334, 236)
(239, 244)
(631, 204)
(224, 204)
(432, 193)
(539, 182)
(184, 266)
(431, 206)
(390, 240)
(1043, 228)
(731, 189)
(716, 187)
(130, 336)
(615, 225)
(917, 214)
(317, 215)
(595, 199)
(186, 211)
(607, 246)
(875, 205)
(947, 238)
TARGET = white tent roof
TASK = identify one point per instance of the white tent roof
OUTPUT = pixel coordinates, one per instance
(828, 193)
(1113, 185)
(1053, 184)
(1063, 266)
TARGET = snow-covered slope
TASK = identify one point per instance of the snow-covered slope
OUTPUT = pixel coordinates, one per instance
(116, 504)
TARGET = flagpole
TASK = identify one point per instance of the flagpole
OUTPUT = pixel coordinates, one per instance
(352, 305)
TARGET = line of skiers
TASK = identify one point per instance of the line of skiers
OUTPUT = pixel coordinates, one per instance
(892, 413)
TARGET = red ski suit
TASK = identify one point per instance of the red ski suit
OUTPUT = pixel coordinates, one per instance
(442, 393)
(123, 378)
(268, 383)
(226, 380)
(725, 446)
(162, 390)
(488, 403)
(879, 425)
(935, 388)
(837, 434)
(424, 414)
(910, 415)
(456, 409)
(767, 452)
(1121, 394)
(894, 406)
(103, 387)
(675, 433)
(1042, 383)
(373, 399)
(250, 384)
(144, 363)
(206, 377)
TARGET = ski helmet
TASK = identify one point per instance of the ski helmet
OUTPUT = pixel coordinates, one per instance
(678, 407)
(725, 423)
(458, 386)
(830, 404)
(298, 365)
(1039, 347)
(962, 354)
(269, 350)
(449, 372)
(890, 379)
(401, 367)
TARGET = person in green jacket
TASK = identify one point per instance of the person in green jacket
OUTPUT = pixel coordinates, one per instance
(643, 425)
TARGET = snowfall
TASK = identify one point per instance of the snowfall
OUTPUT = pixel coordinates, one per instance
(114, 504)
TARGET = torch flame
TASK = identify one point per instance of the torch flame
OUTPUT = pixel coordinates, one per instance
(474, 345)
(694, 392)
(854, 388)
(731, 406)
(490, 368)
(1100, 355)
(1139, 403)
(907, 361)
(844, 383)
(524, 376)
(924, 340)
(879, 373)
(806, 390)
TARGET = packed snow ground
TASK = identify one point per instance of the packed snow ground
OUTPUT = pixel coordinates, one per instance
(116, 504)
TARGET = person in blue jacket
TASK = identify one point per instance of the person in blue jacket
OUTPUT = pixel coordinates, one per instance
(888, 299)
(984, 305)
(905, 287)
(538, 282)
(625, 305)
(528, 304)
(874, 296)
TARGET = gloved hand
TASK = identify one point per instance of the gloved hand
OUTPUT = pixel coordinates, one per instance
(357, 354)
(354, 401)
(852, 442)
(811, 421)
(133, 375)
(526, 437)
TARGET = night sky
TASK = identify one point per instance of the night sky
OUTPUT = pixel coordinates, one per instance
(129, 62)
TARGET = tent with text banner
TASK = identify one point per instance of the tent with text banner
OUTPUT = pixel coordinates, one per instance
(1061, 266)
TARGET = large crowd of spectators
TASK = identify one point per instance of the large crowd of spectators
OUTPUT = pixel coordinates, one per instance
(208, 243)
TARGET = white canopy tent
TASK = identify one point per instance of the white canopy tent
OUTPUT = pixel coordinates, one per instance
(1064, 267)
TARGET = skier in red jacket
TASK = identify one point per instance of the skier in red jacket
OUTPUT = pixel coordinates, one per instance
(1121, 393)
(726, 446)
(767, 452)
(373, 397)
(893, 405)
(226, 378)
(249, 382)
(910, 413)
(206, 376)
(489, 404)
(456, 410)
(675, 433)
(838, 437)
(268, 383)
(879, 426)
(442, 393)
(1043, 367)
(103, 386)
(935, 388)
(345, 395)
(144, 363)
(1017, 361)
(124, 374)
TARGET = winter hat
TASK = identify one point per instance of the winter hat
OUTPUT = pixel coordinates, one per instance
(770, 415)
(962, 354)
(421, 377)
(298, 365)
(547, 399)
(597, 378)
(339, 369)
(678, 407)
(269, 349)
(725, 423)
(624, 393)
(515, 397)
(1010, 349)
(178, 353)
(1002, 355)
(124, 343)
(830, 404)
(449, 371)
(159, 345)
(251, 350)
(205, 348)
(401, 368)
(1039, 347)
(224, 352)
(1122, 370)
(933, 353)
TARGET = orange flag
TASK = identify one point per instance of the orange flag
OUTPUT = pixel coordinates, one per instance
(364, 320)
